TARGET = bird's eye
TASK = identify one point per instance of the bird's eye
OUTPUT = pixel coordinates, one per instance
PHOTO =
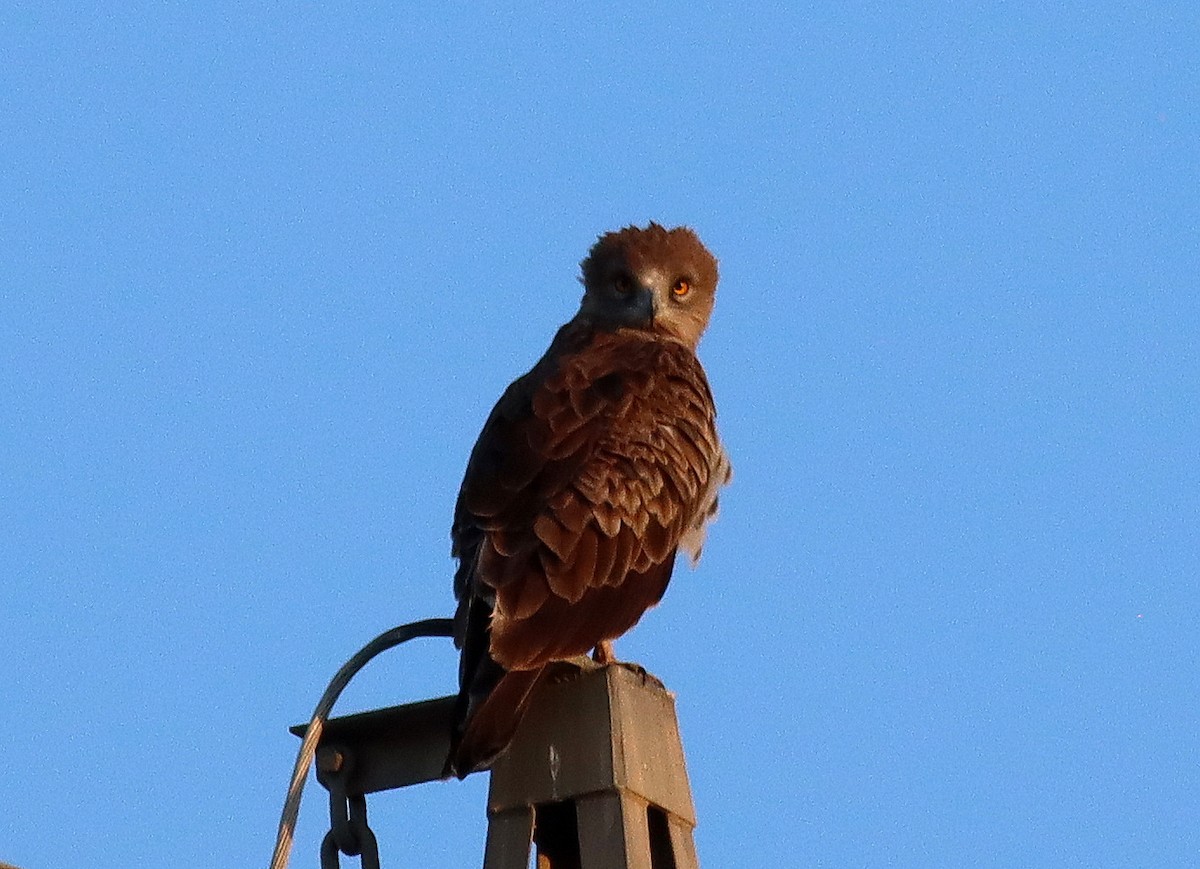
(681, 288)
(623, 284)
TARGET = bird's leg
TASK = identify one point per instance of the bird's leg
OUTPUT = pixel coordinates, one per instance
(603, 653)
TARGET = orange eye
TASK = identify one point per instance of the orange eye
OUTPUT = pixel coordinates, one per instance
(681, 288)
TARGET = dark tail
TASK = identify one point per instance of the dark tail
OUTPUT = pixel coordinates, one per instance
(492, 723)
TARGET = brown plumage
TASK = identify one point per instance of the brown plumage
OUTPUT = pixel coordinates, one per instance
(592, 470)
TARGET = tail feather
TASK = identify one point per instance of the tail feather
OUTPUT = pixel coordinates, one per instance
(493, 723)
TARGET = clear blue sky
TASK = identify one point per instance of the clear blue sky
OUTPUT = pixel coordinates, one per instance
(264, 268)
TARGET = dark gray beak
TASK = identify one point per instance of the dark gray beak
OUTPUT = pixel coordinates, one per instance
(639, 306)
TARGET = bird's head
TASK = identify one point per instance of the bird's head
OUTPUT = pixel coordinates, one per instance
(656, 279)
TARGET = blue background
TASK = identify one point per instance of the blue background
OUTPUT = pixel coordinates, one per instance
(265, 267)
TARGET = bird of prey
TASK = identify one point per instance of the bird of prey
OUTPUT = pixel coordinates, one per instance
(592, 470)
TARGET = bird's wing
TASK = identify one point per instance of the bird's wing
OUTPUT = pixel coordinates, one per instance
(583, 484)
(590, 472)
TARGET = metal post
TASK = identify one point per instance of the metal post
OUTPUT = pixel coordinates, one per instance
(595, 779)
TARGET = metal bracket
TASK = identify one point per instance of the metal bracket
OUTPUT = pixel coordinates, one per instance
(392, 748)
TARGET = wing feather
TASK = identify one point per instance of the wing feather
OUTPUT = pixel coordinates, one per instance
(606, 557)
(592, 470)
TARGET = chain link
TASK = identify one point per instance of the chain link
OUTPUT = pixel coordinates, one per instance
(348, 829)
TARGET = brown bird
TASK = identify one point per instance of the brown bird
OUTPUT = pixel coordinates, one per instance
(592, 470)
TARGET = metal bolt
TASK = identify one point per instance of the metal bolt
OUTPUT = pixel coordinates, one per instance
(330, 760)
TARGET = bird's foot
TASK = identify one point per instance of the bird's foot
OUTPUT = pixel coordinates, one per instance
(604, 654)
(570, 668)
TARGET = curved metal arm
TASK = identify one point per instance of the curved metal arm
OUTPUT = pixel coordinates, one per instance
(304, 758)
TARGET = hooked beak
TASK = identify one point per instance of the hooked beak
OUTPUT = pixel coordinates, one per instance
(639, 306)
